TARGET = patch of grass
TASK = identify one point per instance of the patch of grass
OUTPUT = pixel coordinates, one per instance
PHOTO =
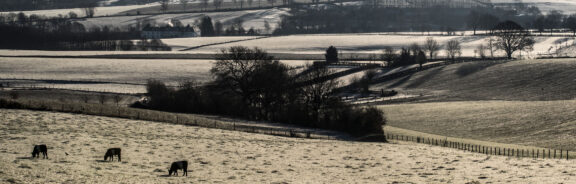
(492, 80)
(548, 124)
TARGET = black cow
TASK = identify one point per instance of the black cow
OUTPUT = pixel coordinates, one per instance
(178, 165)
(40, 149)
(111, 152)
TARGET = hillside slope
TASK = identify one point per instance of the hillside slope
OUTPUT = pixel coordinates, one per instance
(487, 80)
(76, 145)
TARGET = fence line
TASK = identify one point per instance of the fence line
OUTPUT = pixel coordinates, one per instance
(159, 116)
(487, 150)
(194, 120)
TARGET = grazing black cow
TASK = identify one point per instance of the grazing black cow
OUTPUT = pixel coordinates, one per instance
(111, 152)
(40, 149)
(178, 165)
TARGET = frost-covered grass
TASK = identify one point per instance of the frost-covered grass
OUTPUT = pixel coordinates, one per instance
(216, 156)
(317, 44)
(375, 43)
(114, 71)
(548, 124)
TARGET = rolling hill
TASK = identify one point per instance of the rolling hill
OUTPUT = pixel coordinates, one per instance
(526, 102)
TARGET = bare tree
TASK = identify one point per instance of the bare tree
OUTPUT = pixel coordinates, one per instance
(271, 2)
(102, 98)
(388, 55)
(511, 37)
(415, 48)
(431, 47)
(267, 27)
(117, 99)
(241, 3)
(570, 23)
(474, 21)
(253, 75)
(204, 4)
(421, 58)
(164, 5)
(481, 50)
(89, 11)
(490, 46)
(184, 3)
(453, 49)
(217, 3)
(317, 94)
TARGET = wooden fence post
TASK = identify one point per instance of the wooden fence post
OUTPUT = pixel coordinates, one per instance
(567, 155)
(554, 153)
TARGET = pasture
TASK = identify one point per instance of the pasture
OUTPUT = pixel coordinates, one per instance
(351, 46)
(520, 80)
(524, 102)
(547, 124)
(110, 75)
(374, 44)
(149, 148)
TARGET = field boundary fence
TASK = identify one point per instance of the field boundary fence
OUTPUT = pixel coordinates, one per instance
(535, 153)
(160, 116)
(47, 84)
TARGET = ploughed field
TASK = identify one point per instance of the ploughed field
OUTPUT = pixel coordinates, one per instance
(214, 156)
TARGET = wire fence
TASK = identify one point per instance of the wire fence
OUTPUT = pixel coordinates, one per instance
(166, 117)
(200, 121)
(483, 149)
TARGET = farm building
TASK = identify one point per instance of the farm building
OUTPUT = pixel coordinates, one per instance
(168, 32)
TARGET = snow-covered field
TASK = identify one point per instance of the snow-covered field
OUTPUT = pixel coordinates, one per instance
(374, 43)
(77, 144)
(317, 44)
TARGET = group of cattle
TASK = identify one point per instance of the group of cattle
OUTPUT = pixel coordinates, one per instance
(180, 165)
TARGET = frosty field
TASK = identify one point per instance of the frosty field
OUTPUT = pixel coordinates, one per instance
(234, 157)
(375, 43)
(118, 75)
(317, 43)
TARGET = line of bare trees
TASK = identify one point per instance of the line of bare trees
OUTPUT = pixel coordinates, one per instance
(508, 37)
(248, 83)
(20, 31)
